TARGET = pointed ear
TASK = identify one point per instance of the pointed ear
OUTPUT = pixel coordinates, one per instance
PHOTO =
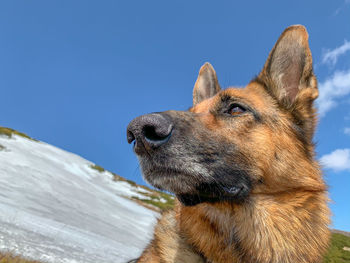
(207, 84)
(287, 74)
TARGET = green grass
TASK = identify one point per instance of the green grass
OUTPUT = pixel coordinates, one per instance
(132, 183)
(155, 199)
(336, 253)
(98, 168)
(115, 176)
(170, 200)
(9, 132)
(118, 178)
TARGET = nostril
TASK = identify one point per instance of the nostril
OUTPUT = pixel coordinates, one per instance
(130, 136)
(156, 135)
(151, 134)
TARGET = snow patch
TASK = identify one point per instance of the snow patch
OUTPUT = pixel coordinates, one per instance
(55, 208)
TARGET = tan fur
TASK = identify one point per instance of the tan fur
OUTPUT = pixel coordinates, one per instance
(286, 216)
(168, 244)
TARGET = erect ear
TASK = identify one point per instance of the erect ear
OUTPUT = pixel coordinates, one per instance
(207, 84)
(287, 74)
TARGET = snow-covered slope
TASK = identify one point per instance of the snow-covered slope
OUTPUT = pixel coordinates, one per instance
(55, 207)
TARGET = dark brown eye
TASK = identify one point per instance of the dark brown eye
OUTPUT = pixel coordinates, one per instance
(236, 109)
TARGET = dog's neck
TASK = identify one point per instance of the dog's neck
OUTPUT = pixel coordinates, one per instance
(265, 228)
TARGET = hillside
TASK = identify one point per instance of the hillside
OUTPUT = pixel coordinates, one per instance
(339, 250)
(57, 207)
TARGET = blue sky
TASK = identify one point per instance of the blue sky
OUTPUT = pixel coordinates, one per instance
(74, 73)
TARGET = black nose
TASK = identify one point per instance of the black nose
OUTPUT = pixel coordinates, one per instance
(151, 130)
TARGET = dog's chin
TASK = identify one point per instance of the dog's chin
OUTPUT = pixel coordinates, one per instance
(193, 189)
(176, 183)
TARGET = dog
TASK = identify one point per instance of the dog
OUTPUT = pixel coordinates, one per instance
(241, 163)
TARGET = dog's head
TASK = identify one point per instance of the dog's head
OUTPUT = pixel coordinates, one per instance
(237, 142)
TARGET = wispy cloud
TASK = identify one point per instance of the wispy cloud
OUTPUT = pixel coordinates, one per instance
(347, 130)
(331, 56)
(339, 9)
(338, 160)
(337, 86)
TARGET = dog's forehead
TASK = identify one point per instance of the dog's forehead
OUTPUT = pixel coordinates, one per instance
(253, 94)
(204, 106)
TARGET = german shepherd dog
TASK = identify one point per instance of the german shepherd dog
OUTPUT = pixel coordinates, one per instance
(242, 166)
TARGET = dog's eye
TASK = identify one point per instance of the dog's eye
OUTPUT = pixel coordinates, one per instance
(236, 109)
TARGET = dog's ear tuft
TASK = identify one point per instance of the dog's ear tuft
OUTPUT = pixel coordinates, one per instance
(207, 84)
(288, 74)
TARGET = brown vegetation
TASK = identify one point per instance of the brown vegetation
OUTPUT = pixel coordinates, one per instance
(10, 258)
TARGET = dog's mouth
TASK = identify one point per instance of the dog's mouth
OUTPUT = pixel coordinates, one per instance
(192, 187)
(213, 193)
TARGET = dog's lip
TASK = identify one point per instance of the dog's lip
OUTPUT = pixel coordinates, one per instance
(233, 190)
(166, 170)
(141, 150)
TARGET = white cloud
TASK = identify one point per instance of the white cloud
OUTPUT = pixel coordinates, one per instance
(331, 89)
(347, 130)
(338, 160)
(331, 56)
